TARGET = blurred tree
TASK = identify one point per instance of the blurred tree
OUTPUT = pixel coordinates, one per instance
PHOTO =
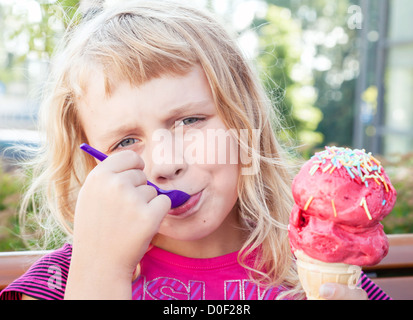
(35, 26)
(289, 85)
(29, 32)
(330, 55)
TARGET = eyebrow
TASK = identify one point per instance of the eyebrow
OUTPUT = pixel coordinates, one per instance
(187, 107)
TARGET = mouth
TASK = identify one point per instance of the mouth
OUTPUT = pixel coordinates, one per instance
(187, 206)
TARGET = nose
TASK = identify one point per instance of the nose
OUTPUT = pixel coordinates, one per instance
(166, 161)
(163, 173)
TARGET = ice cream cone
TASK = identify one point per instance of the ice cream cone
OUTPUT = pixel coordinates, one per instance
(313, 273)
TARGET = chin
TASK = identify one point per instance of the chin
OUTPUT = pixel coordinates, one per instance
(188, 232)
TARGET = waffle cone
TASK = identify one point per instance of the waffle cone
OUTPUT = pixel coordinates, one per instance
(313, 273)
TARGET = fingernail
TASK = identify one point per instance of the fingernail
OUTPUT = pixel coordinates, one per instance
(327, 291)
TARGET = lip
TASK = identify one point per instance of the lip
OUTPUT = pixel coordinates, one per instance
(187, 206)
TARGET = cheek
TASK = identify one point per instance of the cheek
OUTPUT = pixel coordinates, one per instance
(227, 166)
(226, 179)
(224, 170)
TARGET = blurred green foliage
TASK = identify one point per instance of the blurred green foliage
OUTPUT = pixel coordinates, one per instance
(400, 170)
(40, 29)
(11, 185)
(330, 60)
(280, 52)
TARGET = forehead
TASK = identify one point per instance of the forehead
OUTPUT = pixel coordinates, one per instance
(148, 105)
(167, 88)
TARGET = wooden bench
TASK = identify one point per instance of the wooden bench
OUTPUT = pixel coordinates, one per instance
(394, 274)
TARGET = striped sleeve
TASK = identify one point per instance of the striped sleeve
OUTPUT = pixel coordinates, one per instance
(372, 290)
(45, 279)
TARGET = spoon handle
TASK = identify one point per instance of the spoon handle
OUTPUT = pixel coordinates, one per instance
(93, 152)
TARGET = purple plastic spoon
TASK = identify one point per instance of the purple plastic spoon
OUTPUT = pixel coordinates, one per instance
(177, 197)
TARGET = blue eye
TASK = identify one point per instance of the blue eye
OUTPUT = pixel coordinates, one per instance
(127, 142)
(189, 121)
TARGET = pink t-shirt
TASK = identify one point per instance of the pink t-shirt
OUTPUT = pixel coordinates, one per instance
(165, 275)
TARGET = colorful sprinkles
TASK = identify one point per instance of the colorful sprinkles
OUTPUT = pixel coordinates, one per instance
(334, 207)
(358, 164)
(363, 203)
(308, 203)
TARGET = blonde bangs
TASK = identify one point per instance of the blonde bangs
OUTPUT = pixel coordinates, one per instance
(127, 46)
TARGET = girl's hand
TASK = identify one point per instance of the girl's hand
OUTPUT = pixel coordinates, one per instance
(335, 291)
(116, 217)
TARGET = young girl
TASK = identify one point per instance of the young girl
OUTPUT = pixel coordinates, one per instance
(162, 90)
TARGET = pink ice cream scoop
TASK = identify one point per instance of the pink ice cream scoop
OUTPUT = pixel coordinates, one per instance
(341, 195)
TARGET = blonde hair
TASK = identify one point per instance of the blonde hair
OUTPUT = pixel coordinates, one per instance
(137, 42)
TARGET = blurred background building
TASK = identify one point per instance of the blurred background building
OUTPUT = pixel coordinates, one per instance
(384, 116)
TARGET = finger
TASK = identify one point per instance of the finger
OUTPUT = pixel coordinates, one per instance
(124, 160)
(159, 206)
(134, 177)
(146, 193)
(336, 291)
